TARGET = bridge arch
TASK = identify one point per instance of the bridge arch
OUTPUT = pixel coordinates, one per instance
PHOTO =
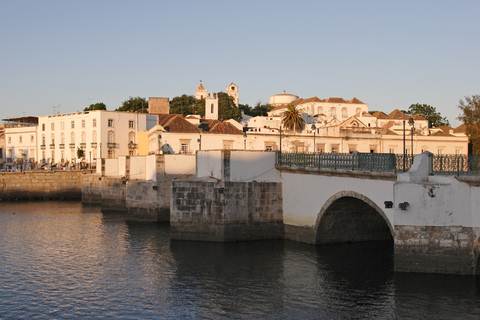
(348, 216)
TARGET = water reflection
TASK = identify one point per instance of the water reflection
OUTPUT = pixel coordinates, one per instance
(62, 260)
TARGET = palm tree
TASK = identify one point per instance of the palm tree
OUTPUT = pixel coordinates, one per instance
(292, 119)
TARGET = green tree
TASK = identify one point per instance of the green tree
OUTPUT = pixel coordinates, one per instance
(227, 108)
(96, 106)
(470, 116)
(292, 119)
(258, 110)
(80, 153)
(134, 104)
(435, 119)
(186, 105)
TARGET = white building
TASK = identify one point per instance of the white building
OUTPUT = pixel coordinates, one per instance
(20, 136)
(231, 89)
(98, 134)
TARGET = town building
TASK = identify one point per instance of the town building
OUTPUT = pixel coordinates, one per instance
(2, 146)
(90, 135)
(186, 135)
(20, 136)
(345, 126)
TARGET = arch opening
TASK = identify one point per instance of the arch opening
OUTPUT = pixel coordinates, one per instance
(352, 218)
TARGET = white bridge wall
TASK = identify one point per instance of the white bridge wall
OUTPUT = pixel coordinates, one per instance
(304, 195)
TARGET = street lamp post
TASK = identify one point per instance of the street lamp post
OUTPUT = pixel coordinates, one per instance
(411, 122)
(404, 148)
(314, 128)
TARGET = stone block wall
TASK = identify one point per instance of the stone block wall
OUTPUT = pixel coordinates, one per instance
(208, 210)
(437, 249)
(107, 192)
(41, 185)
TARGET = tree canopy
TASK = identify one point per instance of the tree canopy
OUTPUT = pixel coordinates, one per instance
(292, 119)
(186, 105)
(227, 108)
(470, 108)
(258, 110)
(435, 119)
(134, 104)
(96, 106)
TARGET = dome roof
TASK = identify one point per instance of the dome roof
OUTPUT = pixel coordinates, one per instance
(282, 98)
(200, 86)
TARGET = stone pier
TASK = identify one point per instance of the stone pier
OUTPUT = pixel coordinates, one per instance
(212, 210)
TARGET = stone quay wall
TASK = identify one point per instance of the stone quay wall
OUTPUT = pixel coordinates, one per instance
(208, 210)
(139, 200)
(437, 249)
(41, 185)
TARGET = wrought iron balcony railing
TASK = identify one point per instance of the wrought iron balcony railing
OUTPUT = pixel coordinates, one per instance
(42, 146)
(52, 145)
(72, 145)
(93, 145)
(112, 145)
(83, 145)
(61, 145)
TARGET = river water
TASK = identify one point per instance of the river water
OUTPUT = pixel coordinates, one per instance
(64, 261)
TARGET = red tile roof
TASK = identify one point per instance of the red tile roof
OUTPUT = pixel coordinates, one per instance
(176, 123)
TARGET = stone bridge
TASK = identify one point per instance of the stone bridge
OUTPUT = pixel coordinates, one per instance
(433, 221)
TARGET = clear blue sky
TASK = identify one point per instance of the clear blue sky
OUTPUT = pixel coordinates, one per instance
(389, 54)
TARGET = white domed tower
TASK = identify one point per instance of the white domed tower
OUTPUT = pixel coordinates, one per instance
(232, 91)
(200, 91)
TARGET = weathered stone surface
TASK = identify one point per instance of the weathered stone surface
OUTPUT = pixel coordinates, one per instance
(41, 185)
(437, 249)
(227, 211)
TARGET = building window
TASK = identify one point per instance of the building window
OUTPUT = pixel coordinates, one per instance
(20, 139)
(110, 123)
(43, 140)
(94, 123)
(9, 139)
(52, 126)
(72, 124)
(373, 148)
(84, 137)
(111, 137)
(335, 148)
(83, 123)
(62, 138)
(211, 108)
(52, 138)
(94, 136)
(344, 113)
(32, 138)
(62, 125)
(320, 147)
(332, 112)
(72, 137)
(43, 126)
(131, 124)
(352, 148)
(184, 148)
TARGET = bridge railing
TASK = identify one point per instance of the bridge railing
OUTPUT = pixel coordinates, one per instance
(377, 162)
(453, 164)
(372, 162)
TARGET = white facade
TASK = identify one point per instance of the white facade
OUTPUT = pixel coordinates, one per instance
(99, 133)
(21, 143)
(211, 107)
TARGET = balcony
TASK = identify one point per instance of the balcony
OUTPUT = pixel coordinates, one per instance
(83, 145)
(72, 145)
(132, 145)
(93, 145)
(43, 147)
(112, 145)
(61, 145)
(52, 145)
